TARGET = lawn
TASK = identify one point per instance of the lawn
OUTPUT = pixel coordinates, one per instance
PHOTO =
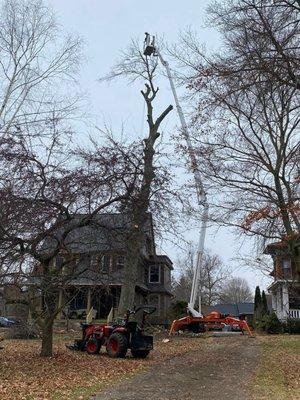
(278, 374)
(69, 374)
(76, 375)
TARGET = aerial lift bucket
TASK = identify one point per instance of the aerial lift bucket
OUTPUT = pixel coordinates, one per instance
(149, 48)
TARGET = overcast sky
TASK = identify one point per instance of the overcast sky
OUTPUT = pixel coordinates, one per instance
(107, 27)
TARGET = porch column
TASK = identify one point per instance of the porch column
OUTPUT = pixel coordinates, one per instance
(88, 301)
(285, 302)
(274, 297)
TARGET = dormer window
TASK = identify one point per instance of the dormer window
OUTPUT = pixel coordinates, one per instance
(105, 263)
(120, 261)
(286, 268)
(154, 274)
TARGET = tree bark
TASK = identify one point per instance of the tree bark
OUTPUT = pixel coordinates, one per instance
(127, 297)
(47, 338)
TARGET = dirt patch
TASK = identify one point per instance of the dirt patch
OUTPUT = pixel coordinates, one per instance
(221, 369)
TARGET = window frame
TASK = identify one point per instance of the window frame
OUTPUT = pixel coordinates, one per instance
(159, 273)
(118, 264)
(286, 269)
(105, 268)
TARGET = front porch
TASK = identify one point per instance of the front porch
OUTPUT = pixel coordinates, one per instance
(100, 299)
(285, 299)
(84, 298)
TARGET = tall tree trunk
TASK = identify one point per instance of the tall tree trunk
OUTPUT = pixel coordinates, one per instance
(47, 338)
(133, 247)
(49, 310)
(139, 205)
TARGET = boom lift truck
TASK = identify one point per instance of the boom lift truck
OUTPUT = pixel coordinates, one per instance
(195, 319)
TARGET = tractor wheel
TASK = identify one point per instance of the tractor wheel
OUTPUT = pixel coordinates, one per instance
(140, 353)
(93, 346)
(117, 345)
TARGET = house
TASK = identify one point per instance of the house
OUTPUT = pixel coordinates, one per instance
(97, 253)
(285, 289)
(238, 310)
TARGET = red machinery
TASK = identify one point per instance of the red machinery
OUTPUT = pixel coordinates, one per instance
(201, 324)
(117, 338)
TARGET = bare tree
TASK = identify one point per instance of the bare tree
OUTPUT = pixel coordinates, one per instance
(37, 68)
(134, 65)
(47, 193)
(295, 4)
(213, 274)
(236, 290)
(266, 40)
(247, 121)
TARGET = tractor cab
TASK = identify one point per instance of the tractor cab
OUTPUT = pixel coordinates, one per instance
(149, 48)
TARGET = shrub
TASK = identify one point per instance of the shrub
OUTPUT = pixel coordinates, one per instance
(23, 330)
(270, 324)
(292, 326)
(178, 309)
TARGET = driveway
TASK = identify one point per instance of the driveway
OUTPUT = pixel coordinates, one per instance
(221, 371)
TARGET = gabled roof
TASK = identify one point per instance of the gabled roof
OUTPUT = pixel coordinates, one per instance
(105, 232)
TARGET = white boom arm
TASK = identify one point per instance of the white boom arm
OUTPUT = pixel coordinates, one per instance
(201, 195)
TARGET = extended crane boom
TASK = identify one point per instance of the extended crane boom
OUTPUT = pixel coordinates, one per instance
(151, 49)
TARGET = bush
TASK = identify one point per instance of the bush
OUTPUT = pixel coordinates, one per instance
(269, 324)
(178, 309)
(292, 326)
(23, 330)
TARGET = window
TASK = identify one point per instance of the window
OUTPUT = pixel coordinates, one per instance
(154, 275)
(94, 262)
(105, 263)
(120, 261)
(286, 268)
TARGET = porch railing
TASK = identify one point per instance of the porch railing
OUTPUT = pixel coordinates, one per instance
(294, 314)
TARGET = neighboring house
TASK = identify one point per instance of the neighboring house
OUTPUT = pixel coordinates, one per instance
(11, 302)
(239, 310)
(285, 289)
(98, 253)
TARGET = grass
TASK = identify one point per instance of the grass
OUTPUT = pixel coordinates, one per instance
(278, 374)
